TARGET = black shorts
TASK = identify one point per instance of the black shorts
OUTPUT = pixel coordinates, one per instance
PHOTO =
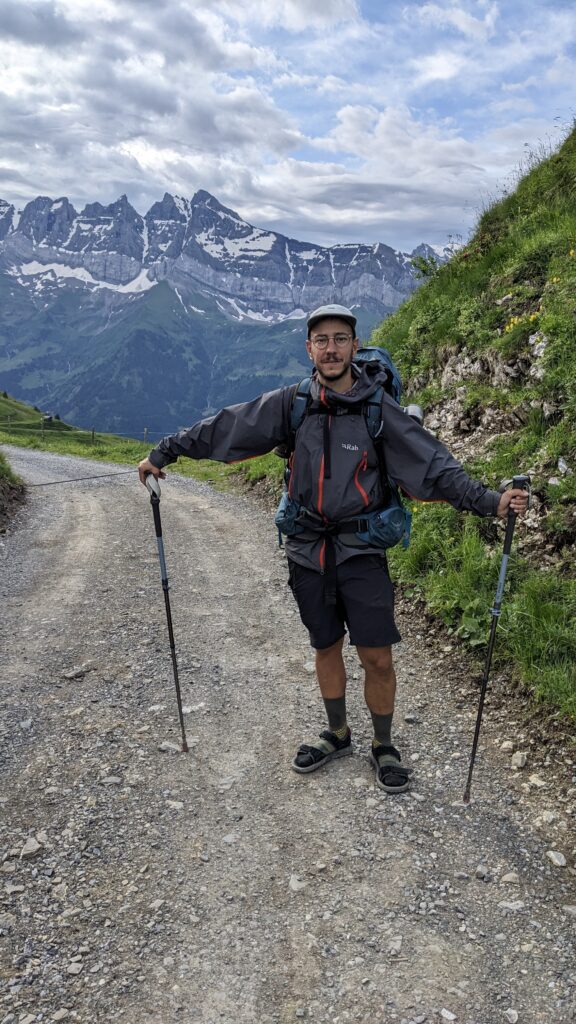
(364, 603)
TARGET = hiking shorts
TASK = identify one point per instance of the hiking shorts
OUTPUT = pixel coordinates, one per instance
(364, 603)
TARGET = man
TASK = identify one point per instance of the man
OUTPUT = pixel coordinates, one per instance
(336, 475)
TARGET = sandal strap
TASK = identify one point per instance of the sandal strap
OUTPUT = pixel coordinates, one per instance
(384, 751)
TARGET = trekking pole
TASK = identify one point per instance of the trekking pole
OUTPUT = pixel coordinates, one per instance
(154, 488)
(523, 483)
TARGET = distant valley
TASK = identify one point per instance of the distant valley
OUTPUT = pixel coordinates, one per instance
(121, 321)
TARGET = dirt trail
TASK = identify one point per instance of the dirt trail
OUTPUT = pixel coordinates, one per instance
(222, 887)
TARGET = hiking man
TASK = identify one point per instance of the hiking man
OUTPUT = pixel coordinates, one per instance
(338, 578)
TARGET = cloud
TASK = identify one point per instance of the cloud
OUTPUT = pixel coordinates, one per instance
(455, 16)
(292, 15)
(37, 24)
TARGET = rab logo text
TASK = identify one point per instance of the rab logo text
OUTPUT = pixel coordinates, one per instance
(350, 447)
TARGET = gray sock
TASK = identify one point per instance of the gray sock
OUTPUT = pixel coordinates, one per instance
(382, 729)
(336, 711)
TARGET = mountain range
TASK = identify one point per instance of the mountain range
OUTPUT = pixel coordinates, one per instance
(124, 321)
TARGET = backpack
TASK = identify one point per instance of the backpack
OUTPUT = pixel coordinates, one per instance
(384, 527)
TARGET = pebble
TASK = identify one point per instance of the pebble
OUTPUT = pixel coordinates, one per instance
(447, 1014)
(74, 968)
(570, 909)
(111, 780)
(411, 718)
(26, 725)
(176, 805)
(512, 905)
(309, 667)
(166, 747)
(9, 920)
(28, 1019)
(481, 871)
(519, 759)
(507, 747)
(537, 782)
(30, 849)
(61, 1014)
(296, 884)
(556, 858)
(510, 878)
(511, 1015)
(395, 945)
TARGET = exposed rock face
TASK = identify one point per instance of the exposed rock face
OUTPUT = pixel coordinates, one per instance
(202, 243)
(97, 304)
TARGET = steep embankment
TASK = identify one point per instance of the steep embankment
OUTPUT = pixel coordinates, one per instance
(488, 344)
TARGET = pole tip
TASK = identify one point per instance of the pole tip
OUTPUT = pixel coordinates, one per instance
(185, 748)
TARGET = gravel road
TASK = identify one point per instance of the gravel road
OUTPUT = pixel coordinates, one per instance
(139, 884)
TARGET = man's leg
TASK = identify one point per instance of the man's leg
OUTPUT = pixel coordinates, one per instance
(379, 689)
(379, 692)
(331, 675)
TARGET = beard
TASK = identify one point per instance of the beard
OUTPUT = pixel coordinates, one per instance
(338, 366)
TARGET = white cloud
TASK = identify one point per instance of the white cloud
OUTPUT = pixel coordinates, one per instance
(455, 16)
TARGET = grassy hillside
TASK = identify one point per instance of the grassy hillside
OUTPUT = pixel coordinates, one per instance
(488, 345)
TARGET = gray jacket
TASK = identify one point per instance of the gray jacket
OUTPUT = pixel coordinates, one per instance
(415, 460)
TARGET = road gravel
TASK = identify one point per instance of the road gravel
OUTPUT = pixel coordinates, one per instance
(140, 884)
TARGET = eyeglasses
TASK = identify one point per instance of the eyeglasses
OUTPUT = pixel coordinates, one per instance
(340, 340)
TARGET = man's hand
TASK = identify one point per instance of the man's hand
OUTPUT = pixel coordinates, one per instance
(512, 501)
(145, 467)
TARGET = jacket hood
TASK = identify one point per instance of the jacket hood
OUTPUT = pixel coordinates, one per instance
(367, 378)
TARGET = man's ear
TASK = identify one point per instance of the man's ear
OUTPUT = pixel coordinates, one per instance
(309, 347)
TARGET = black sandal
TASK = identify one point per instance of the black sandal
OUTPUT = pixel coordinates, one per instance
(391, 775)
(310, 756)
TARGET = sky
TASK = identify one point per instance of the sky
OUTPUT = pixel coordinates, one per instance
(328, 120)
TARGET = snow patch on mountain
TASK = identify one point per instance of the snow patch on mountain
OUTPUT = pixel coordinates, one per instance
(140, 283)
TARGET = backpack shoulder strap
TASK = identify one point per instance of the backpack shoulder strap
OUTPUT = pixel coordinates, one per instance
(300, 400)
(373, 413)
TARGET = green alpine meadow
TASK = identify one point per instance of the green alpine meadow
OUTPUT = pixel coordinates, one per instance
(487, 345)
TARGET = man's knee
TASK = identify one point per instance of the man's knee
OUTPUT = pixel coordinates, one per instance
(376, 659)
(325, 653)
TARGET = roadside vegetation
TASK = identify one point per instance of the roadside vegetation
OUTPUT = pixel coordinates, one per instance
(505, 306)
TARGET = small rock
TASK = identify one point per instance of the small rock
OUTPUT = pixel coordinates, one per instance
(395, 945)
(512, 905)
(30, 849)
(411, 718)
(74, 968)
(556, 858)
(507, 747)
(176, 805)
(231, 838)
(111, 780)
(8, 921)
(28, 1019)
(156, 904)
(26, 725)
(13, 889)
(511, 1015)
(570, 909)
(166, 747)
(511, 878)
(309, 667)
(447, 1014)
(61, 1014)
(536, 782)
(481, 871)
(296, 884)
(519, 759)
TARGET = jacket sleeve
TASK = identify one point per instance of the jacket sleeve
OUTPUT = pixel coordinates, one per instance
(235, 433)
(425, 469)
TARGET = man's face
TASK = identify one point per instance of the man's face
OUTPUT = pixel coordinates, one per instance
(331, 347)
